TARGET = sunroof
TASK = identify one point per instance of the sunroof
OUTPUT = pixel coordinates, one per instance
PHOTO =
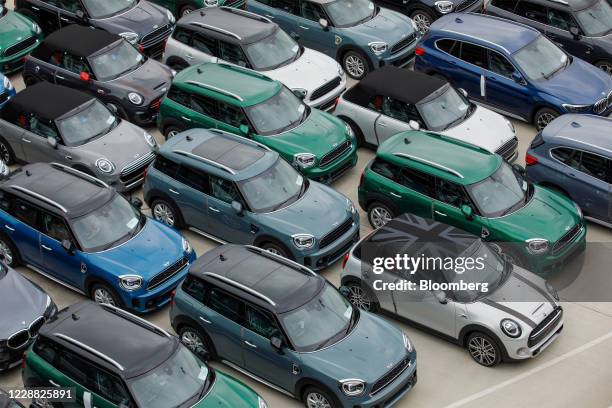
(227, 152)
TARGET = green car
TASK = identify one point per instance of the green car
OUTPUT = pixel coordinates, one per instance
(182, 7)
(249, 104)
(434, 176)
(108, 358)
(18, 37)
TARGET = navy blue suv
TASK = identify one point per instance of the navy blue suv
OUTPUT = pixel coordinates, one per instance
(512, 68)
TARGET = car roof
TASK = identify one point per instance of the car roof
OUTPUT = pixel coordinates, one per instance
(400, 84)
(140, 348)
(500, 33)
(439, 155)
(571, 4)
(36, 99)
(78, 40)
(229, 83)
(241, 25)
(589, 132)
(58, 189)
(262, 278)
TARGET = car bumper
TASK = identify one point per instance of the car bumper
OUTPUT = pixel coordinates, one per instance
(519, 350)
(400, 59)
(16, 62)
(336, 169)
(553, 263)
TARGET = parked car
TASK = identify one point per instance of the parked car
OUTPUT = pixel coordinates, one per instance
(245, 39)
(27, 308)
(18, 37)
(82, 350)
(434, 176)
(142, 23)
(74, 229)
(390, 100)
(281, 324)
(7, 402)
(7, 90)
(76, 130)
(356, 33)
(247, 103)
(104, 65)
(581, 27)
(573, 155)
(516, 70)
(515, 318)
(231, 189)
(184, 7)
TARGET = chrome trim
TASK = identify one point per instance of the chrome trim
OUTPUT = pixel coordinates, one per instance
(217, 29)
(205, 160)
(79, 173)
(28, 331)
(408, 365)
(35, 269)
(214, 88)
(245, 13)
(89, 349)
(138, 319)
(430, 163)
(240, 286)
(40, 197)
(256, 378)
(553, 320)
(207, 235)
(130, 167)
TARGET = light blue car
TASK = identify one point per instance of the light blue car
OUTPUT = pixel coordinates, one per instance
(7, 90)
(357, 33)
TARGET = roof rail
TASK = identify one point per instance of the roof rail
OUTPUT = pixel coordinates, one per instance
(242, 139)
(89, 349)
(565, 3)
(217, 29)
(245, 70)
(240, 286)
(79, 173)
(281, 259)
(205, 160)
(40, 197)
(460, 142)
(429, 163)
(214, 88)
(136, 319)
(246, 14)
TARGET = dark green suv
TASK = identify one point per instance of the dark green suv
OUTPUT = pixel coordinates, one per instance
(249, 104)
(466, 186)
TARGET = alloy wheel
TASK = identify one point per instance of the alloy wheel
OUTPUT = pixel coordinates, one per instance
(482, 350)
(317, 400)
(354, 66)
(6, 252)
(41, 403)
(274, 251)
(193, 342)
(4, 153)
(103, 296)
(379, 217)
(187, 10)
(422, 21)
(163, 213)
(359, 298)
(544, 119)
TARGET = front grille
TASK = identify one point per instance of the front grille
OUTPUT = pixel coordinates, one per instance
(567, 238)
(465, 5)
(507, 149)
(154, 42)
(167, 273)
(35, 326)
(403, 43)
(20, 46)
(326, 88)
(603, 104)
(334, 154)
(234, 3)
(134, 172)
(546, 326)
(390, 376)
(336, 233)
(18, 339)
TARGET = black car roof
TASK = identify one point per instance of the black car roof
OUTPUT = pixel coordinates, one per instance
(270, 281)
(45, 100)
(76, 39)
(401, 84)
(571, 4)
(228, 152)
(140, 347)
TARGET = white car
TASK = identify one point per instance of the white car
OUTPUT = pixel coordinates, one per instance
(391, 100)
(229, 35)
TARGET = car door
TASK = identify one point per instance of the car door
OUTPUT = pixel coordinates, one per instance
(69, 72)
(223, 320)
(34, 141)
(204, 112)
(23, 229)
(203, 49)
(224, 222)
(310, 32)
(68, 10)
(190, 193)
(73, 372)
(469, 70)
(394, 118)
(48, 13)
(282, 12)
(12, 131)
(108, 390)
(450, 197)
(501, 90)
(560, 22)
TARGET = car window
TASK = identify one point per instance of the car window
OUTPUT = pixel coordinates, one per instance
(508, 5)
(166, 166)
(376, 103)
(205, 44)
(500, 64)
(42, 127)
(110, 388)
(450, 46)
(75, 367)
(204, 105)
(232, 115)
(451, 193)
(182, 35)
(193, 178)
(54, 227)
(474, 54)
(595, 166)
(399, 110)
(311, 11)
(226, 305)
(74, 64)
(535, 12)
(385, 168)
(25, 213)
(232, 53)
(288, 6)
(415, 180)
(567, 156)
(223, 189)
(195, 287)
(261, 323)
(46, 350)
(71, 6)
(560, 19)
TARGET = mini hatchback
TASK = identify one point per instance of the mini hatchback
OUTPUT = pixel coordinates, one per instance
(184, 7)
(18, 37)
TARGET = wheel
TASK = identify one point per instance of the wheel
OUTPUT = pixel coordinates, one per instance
(276, 249)
(172, 131)
(355, 64)
(604, 66)
(6, 152)
(362, 297)
(543, 117)
(102, 294)
(379, 215)
(118, 110)
(315, 397)
(186, 10)
(197, 342)
(483, 349)
(9, 252)
(166, 212)
(423, 19)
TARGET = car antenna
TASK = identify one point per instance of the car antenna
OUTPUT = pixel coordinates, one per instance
(75, 317)
(28, 173)
(576, 124)
(222, 258)
(407, 141)
(188, 138)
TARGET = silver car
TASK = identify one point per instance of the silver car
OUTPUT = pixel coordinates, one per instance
(511, 314)
(52, 123)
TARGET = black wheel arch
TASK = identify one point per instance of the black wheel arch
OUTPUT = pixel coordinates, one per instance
(350, 47)
(263, 238)
(18, 260)
(181, 321)
(540, 106)
(304, 383)
(372, 198)
(356, 128)
(167, 122)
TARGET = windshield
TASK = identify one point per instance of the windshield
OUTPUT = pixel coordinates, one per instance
(107, 8)
(541, 59)
(596, 20)
(273, 189)
(110, 225)
(500, 193)
(319, 321)
(278, 114)
(180, 379)
(348, 13)
(448, 109)
(118, 61)
(274, 51)
(88, 124)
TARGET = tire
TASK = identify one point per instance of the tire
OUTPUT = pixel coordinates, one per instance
(315, 397)
(198, 342)
(186, 10)
(276, 248)
(483, 349)
(379, 214)
(30, 80)
(423, 19)
(543, 117)
(355, 64)
(6, 152)
(172, 130)
(166, 212)
(605, 66)
(362, 297)
(119, 110)
(9, 252)
(101, 293)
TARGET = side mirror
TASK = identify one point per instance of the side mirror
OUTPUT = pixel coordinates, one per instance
(440, 296)
(51, 141)
(323, 23)
(467, 211)
(344, 291)
(575, 31)
(136, 202)
(237, 207)
(517, 77)
(85, 77)
(414, 125)
(68, 246)
(276, 343)
(244, 130)
(463, 92)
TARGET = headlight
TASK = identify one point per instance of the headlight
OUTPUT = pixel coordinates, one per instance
(187, 246)
(261, 402)
(576, 108)
(444, 7)
(150, 139)
(173, 72)
(352, 387)
(537, 246)
(211, 3)
(7, 84)
(135, 98)
(303, 241)
(304, 160)
(407, 343)
(300, 92)
(510, 328)
(552, 291)
(579, 210)
(130, 37)
(105, 166)
(340, 70)
(36, 28)
(170, 17)
(349, 130)
(378, 47)
(351, 206)
(510, 125)
(130, 282)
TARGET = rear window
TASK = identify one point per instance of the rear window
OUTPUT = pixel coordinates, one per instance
(166, 166)
(508, 5)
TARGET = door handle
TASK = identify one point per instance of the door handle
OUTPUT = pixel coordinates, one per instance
(304, 28)
(382, 124)
(23, 139)
(173, 191)
(59, 77)
(441, 214)
(463, 315)
(248, 343)
(205, 321)
(53, 383)
(269, 16)
(395, 194)
(8, 227)
(46, 248)
(64, 19)
(35, 8)
(213, 209)
(186, 118)
(189, 56)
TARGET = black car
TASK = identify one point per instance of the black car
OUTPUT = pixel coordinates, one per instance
(140, 22)
(582, 28)
(425, 12)
(104, 65)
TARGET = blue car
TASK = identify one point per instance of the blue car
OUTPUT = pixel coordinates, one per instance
(76, 230)
(7, 90)
(357, 33)
(573, 155)
(512, 68)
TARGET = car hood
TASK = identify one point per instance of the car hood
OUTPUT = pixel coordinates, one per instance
(579, 83)
(25, 301)
(483, 128)
(388, 26)
(151, 80)
(140, 19)
(227, 392)
(14, 28)
(373, 348)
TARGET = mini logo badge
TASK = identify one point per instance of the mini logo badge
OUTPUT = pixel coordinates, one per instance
(338, 40)
(83, 267)
(156, 26)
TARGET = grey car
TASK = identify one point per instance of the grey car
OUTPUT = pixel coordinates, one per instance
(76, 130)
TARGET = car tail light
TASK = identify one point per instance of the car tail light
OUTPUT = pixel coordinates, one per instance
(361, 179)
(84, 76)
(530, 160)
(419, 51)
(344, 261)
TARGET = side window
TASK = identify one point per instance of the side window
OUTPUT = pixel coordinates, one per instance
(74, 367)
(376, 103)
(179, 96)
(205, 44)
(232, 53)
(74, 64)
(474, 54)
(25, 213)
(560, 19)
(232, 115)
(45, 350)
(71, 6)
(451, 47)
(223, 189)
(195, 179)
(500, 65)
(311, 11)
(508, 5)
(166, 166)
(6, 201)
(204, 105)
(110, 388)
(385, 169)
(451, 193)
(288, 6)
(261, 323)
(567, 156)
(42, 127)
(399, 110)
(417, 181)
(226, 305)
(196, 288)
(595, 166)
(54, 227)
(535, 12)
(182, 35)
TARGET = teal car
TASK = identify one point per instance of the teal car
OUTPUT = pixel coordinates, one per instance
(182, 7)
(19, 36)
